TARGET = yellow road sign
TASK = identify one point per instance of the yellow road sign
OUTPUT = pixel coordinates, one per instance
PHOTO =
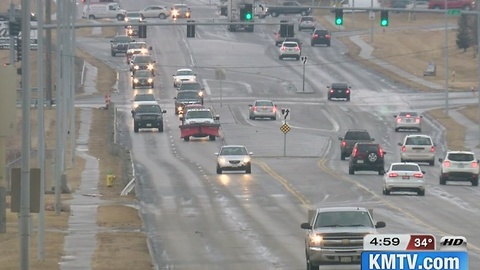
(285, 128)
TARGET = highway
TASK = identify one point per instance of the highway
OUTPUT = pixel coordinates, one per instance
(200, 220)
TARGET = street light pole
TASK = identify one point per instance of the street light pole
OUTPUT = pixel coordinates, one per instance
(304, 60)
(478, 62)
(446, 58)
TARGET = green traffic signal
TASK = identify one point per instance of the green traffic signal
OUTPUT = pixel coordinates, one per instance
(384, 23)
(384, 18)
(338, 21)
(248, 16)
(338, 16)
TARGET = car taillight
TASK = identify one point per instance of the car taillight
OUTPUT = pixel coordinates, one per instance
(418, 175)
(327, 36)
(399, 120)
(297, 48)
(344, 143)
(408, 115)
(380, 152)
(348, 91)
(283, 48)
(392, 174)
(404, 149)
(255, 108)
(474, 164)
(446, 163)
(432, 149)
(417, 120)
(274, 109)
(331, 90)
(354, 153)
(315, 36)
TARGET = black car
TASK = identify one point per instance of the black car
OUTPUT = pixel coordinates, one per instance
(148, 116)
(119, 44)
(320, 37)
(339, 90)
(142, 78)
(143, 62)
(367, 156)
(190, 86)
(186, 97)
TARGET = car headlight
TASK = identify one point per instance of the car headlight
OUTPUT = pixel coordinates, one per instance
(144, 51)
(175, 12)
(126, 19)
(200, 93)
(135, 106)
(179, 108)
(222, 160)
(150, 80)
(187, 14)
(246, 159)
(136, 67)
(150, 66)
(130, 31)
(193, 79)
(316, 240)
(135, 80)
(177, 80)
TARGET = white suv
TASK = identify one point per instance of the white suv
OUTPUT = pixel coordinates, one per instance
(459, 166)
(290, 49)
(418, 148)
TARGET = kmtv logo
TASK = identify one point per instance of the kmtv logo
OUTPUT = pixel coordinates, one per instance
(453, 243)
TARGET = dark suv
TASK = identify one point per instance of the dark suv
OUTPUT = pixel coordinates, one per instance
(352, 136)
(339, 90)
(187, 97)
(143, 62)
(367, 156)
(320, 37)
(119, 44)
(190, 86)
(148, 116)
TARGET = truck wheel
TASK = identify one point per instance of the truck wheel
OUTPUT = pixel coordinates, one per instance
(113, 54)
(351, 170)
(443, 180)
(211, 138)
(160, 128)
(120, 17)
(186, 138)
(152, 85)
(475, 182)
(312, 267)
(135, 129)
(342, 156)
(421, 193)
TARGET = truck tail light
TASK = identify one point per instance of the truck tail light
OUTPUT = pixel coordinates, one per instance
(474, 164)
(446, 163)
(399, 119)
(348, 91)
(417, 120)
(344, 143)
(380, 152)
(432, 149)
(404, 149)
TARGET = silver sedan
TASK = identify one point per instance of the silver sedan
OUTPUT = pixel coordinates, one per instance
(234, 158)
(408, 120)
(404, 176)
(262, 109)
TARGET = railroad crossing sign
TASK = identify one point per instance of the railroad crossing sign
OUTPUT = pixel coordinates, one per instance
(285, 128)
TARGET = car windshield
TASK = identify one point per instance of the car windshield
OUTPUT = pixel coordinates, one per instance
(148, 109)
(290, 44)
(199, 114)
(408, 114)
(418, 141)
(367, 147)
(180, 7)
(184, 72)
(343, 219)
(142, 59)
(143, 73)
(405, 167)
(307, 19)
(264, 103)
(461, 157)
(144, 97)
(133, 15)
(357, 136)
(233, 151)
(190, 86)
(187, 95)
(137, 46)
(122, 39)
(321, 32)
(339, 86)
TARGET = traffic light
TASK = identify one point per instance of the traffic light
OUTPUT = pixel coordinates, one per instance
(18, 49)
(384, 18)
(248, 16)
(14, 28)
(191, 29)
(338, 16)
(142, 31)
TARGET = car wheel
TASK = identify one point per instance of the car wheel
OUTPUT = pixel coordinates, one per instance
(396, 129)
(475, 182)
(152, 85)
(133, 86)
(274, 118)
(162, 16)
(419, 129)
(351, 170)
(348, 98)
(386, 191)
(280, 57)
(421, 193)
(382, 172)
(431, 163)
(342, 156)
(298, 58)
(328, 44)
(312, 44)
(211, 138)
(443, 180)
(219, 170)
(160, 128)
(187, 138)
(135, 129)
(329, 98)
(249, 168)
(91, 17)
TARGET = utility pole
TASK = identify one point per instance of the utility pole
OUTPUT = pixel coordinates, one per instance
(41, 132)
(371, 23)
(478, 62)
(26, 140)
(58, 111)
(446, 58)
(12, 39)
(72, 84)
(48, 53)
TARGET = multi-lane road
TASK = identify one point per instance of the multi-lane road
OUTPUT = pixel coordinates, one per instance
(197, 219)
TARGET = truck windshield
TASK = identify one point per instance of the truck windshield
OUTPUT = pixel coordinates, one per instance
(148, 109)
(343, 219)
(198, 114)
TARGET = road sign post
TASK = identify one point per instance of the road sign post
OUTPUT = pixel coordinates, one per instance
(220, 76)
(285, 128)
(304, 60)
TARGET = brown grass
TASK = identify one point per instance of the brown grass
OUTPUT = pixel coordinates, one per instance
(471, 112)
(455, 132)
(118, 216)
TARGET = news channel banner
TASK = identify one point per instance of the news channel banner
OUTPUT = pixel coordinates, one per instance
(414, 252)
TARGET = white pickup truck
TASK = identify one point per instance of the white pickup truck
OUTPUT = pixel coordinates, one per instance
(199, 123)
